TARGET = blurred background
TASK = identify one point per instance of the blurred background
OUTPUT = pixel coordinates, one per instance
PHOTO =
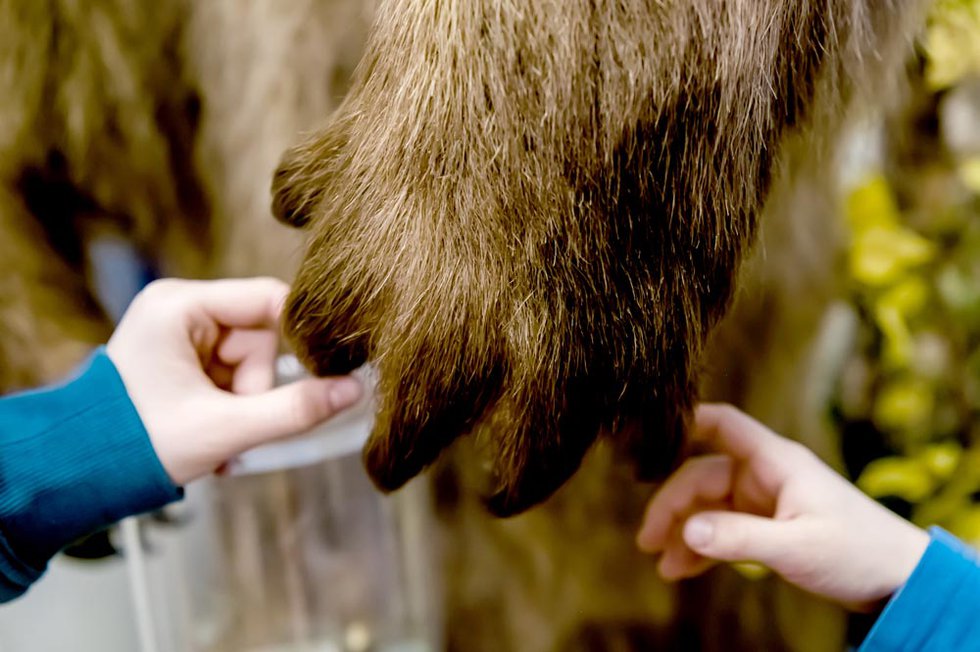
(139, 141)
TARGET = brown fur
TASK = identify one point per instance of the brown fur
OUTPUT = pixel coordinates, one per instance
(155, 124)
(530, 214)
(95, 130)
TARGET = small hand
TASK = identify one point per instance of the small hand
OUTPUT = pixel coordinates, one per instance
(762, 498)
(197, 359)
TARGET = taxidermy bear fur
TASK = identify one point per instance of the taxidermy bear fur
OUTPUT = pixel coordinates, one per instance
(531, 215)
(156, 125)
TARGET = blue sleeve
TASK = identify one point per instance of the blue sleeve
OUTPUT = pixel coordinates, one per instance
(73, 458)
(938, 608)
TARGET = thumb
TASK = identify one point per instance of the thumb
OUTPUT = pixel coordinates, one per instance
(292, 409)
(734, 536)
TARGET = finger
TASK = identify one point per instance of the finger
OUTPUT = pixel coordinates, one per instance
(680, 562)
(699, 480)
(733, 536)
(252, 355)
(291, 409)
(239, 303)
(772, 458)
(729, 430)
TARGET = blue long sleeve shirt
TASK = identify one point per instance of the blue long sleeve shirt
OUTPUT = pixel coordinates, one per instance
(938, 608)
(74, 458)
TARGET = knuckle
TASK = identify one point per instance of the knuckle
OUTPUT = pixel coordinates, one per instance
(160, 291)
(728, 416)
(798, 452)
(163, 286)
(727, 411)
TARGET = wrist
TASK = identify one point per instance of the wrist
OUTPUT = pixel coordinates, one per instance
(899, 559)
(915, 540)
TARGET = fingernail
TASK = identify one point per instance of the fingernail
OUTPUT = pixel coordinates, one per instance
(698, 532)
(345, 391)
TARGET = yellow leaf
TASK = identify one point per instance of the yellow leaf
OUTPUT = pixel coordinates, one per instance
(751, 570)
(941, 459)
(897, 476)
(908, 297)
(966, 525)
(898, 347)
(970, 174)
(871, 205)
(903, 404)
(879, 256)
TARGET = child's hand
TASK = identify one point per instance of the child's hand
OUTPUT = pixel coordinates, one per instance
(197, 358)
(764, 498)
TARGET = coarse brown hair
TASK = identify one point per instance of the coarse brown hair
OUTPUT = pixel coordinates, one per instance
(530, 214)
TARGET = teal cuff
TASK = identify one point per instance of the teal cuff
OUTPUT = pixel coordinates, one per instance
(938, 608)
(74, 458)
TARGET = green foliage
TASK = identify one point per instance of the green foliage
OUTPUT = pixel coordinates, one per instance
(914, 268)
(919, 290)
